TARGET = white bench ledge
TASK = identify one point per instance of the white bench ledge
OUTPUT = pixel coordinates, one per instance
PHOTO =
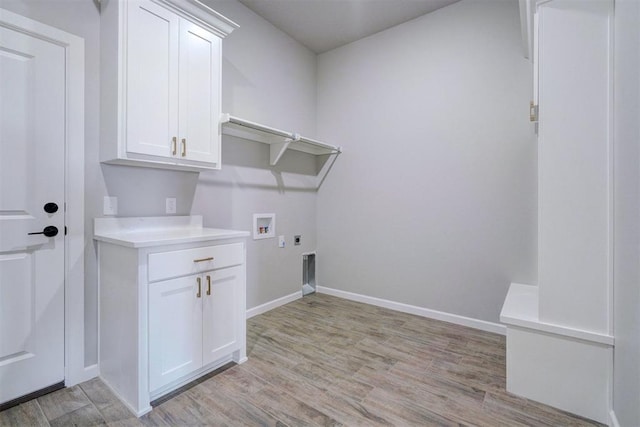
(520, 309)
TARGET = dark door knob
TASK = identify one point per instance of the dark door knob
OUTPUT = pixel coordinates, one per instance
(51, 207)
(49, 231)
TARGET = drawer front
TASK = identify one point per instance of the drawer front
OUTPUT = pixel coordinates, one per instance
(165, 265)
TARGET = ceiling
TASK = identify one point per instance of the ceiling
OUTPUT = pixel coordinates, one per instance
(322, 25)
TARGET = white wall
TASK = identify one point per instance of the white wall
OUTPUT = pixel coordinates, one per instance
(433, 202)
(269, 78)
(266, 77)
(626, 390)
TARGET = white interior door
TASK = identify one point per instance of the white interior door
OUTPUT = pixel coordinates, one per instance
(32, 149)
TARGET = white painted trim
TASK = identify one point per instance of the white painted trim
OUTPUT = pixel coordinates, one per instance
(613, 420)
(263, 308)
(91, 372)
(561, 331)
(201, 14)
(75, 371)
(610, 172)
(482, 325)
(611, 211)
(125, 403)
(74, 183)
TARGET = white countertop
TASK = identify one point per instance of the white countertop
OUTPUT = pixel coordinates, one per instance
(140, 232)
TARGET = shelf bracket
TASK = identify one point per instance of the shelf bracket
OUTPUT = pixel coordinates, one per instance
(276, 150)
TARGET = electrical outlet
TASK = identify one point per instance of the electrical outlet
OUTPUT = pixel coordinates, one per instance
(170, 205)
(281, 241)
(110, 206)
(297, 239)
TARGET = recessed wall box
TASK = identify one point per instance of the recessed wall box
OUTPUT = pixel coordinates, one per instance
(308, 273)
(264, 226)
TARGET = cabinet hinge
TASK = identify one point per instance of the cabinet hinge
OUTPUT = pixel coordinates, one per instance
(65, 230)
(533, 112)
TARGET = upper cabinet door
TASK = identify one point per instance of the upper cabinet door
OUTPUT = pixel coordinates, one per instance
(199, 105)
(152, 79)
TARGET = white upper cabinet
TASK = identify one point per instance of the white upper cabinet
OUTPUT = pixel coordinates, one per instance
(161, 83)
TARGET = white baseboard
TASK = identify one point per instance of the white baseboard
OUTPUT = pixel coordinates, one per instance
(263, 308)
(483, 325)
(613, 420)
(89, 372)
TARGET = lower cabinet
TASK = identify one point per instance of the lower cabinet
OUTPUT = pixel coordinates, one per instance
(169, 314)
(192, 323)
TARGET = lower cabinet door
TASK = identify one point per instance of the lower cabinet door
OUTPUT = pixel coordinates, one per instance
(221, 314)
(175, 329)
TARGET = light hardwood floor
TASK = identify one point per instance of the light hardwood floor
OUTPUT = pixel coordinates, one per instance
(323, 360)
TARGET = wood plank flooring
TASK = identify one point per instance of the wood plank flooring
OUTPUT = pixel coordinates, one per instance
(326, 361)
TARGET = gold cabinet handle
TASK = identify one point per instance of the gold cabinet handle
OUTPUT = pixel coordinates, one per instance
(184, 147)
(199, 294)
(174, 146)
(208, 285)
(203, 259)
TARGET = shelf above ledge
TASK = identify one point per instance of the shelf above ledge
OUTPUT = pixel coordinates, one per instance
(279, 140)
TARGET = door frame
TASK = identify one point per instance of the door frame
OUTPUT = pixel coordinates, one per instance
(75, 370)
